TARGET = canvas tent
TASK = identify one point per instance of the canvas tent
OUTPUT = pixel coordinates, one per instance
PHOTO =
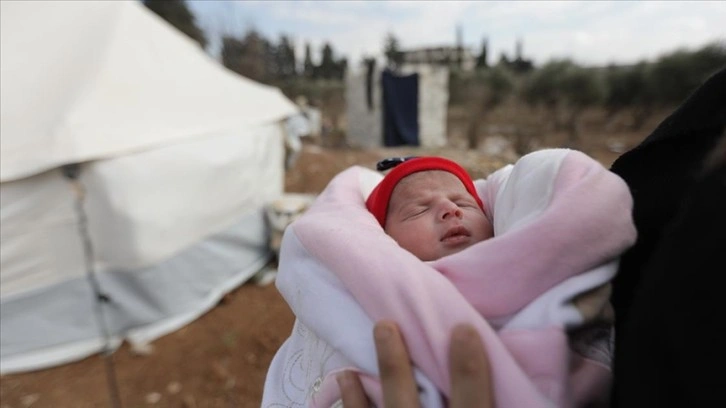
(178, 157)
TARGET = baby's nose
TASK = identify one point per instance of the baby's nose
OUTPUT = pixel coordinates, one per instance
(450, 209)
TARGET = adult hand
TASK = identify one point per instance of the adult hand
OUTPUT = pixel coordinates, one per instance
(468, 367)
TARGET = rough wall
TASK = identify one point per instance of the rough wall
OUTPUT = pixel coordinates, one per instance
(365, 125)
(433, 103)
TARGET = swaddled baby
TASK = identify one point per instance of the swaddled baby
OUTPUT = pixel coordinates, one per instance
(525, 256)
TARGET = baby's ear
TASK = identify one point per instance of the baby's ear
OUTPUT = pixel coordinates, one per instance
(367, 181)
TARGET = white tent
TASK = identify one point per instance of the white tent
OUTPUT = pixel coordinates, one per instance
(178, 157)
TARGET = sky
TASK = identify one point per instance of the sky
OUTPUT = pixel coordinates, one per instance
(588, 32)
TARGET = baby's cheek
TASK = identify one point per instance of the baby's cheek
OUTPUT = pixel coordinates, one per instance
(486, 230)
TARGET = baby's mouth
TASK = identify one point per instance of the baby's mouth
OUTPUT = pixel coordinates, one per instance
(456, 234)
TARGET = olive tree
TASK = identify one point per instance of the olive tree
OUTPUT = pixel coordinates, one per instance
(565, 90)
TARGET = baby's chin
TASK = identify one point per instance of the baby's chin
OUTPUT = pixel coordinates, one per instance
(449, 250)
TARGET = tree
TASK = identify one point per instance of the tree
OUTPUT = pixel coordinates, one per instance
(249, 57)
(582, 88)
(681, 72)
(543, 87)
(392, 51)
(308, 66)
(646, 86)
(565, 89)
(493, 87)
(630, 87)
(708, 60)
(342, 68)
(177, 14)
(327, 62)
(503, 60)
(625, 84)
(330, 67)
(285, 58)
(481, 60)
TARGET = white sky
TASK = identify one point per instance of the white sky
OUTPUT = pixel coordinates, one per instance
(588, 32)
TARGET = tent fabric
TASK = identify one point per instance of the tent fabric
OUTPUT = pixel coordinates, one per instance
(56, 324)
(400, 109)
(178, 159)
(141, 208)
(74, 73)
(173, 229)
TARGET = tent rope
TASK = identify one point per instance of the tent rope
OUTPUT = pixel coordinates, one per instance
(71, 172)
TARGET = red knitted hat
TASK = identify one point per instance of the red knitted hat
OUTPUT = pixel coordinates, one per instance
(377, 202)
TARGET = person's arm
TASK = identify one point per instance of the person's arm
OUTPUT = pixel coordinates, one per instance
(468, 364)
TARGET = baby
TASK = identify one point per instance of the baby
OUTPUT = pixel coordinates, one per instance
(430, 207)
(525, 256)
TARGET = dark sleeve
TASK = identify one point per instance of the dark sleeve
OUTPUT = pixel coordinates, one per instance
(673, 346)
(660, 171)
(669, 315)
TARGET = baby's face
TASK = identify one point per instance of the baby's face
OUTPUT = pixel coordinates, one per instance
(431, 214)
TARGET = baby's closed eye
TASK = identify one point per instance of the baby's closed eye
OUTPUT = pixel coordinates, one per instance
(464, 201)
(416, 210)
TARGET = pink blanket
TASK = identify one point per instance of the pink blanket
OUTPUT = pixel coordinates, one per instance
(537, 291)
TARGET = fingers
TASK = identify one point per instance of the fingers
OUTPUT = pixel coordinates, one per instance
(471, 384)
(351, 390)
(399, 387)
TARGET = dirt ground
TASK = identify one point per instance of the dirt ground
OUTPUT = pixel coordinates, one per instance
(220, 360)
